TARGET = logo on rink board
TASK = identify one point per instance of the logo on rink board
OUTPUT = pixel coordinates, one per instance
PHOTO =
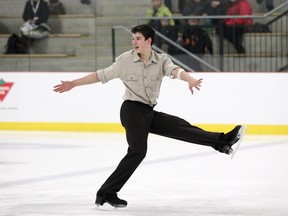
(5, 87)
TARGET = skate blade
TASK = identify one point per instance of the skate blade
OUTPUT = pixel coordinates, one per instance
(235, 147)
(110, 206)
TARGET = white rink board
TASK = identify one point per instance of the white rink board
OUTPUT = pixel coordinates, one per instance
(225, 98)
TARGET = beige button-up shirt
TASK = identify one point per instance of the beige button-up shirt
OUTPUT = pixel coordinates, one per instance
(142, 81)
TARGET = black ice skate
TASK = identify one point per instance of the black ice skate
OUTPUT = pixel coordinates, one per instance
(111, 199)
(232, 140)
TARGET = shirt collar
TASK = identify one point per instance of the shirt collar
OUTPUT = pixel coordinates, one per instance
(153, 57)
(135, 56)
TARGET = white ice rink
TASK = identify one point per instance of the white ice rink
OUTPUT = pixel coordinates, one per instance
(58, 174)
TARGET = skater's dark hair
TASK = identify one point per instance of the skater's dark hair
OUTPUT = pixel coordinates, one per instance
(146, 30)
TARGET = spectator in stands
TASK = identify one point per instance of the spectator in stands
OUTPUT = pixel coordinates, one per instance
(180, 4)
(170, 32)
(168, 4)
(158, 9)
(268, 3)
(56, 7)
(216, 8)
(197, 41)
(196, 7)
(234, 28)
(35, 16)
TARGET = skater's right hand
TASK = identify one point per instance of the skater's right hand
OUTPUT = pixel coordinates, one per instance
(63, 87)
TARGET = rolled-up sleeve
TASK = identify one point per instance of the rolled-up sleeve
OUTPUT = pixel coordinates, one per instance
(169, 66)
(109, 73)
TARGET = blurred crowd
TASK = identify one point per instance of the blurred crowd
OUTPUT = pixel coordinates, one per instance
(190, 33)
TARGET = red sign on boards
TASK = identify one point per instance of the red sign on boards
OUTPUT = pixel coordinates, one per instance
(5, 87)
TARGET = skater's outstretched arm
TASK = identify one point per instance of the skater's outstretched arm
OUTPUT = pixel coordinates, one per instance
(183, 75)
(68, 85)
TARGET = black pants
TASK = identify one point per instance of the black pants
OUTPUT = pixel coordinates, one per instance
(139, 120)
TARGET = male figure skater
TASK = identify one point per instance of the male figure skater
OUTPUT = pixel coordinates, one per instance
(141, 71)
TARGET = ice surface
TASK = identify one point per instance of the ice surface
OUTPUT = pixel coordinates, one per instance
(57, 173)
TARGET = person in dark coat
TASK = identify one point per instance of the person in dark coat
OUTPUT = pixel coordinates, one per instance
(197, 41)
(36, 11)
(35, 16)
(168, 31)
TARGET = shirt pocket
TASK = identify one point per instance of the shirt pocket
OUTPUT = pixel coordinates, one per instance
(132, 82)
(155, 83)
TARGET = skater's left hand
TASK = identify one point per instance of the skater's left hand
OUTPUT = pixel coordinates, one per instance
(194, 83)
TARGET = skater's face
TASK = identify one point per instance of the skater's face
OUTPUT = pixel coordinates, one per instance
(139, 43)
